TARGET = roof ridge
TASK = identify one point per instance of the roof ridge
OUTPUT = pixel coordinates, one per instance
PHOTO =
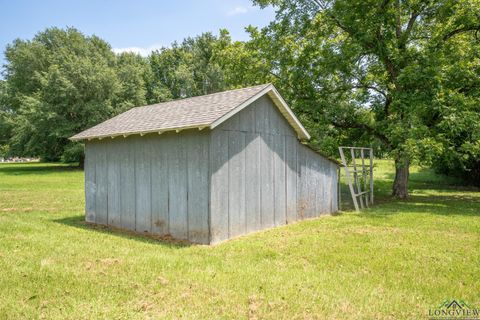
(205, 95)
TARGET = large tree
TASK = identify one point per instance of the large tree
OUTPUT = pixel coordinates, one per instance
(5, 120)
(376, 69)
(457, 122)
(62, 82)
(190, 68)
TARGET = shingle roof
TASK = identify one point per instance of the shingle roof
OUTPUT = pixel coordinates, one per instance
(197, 112)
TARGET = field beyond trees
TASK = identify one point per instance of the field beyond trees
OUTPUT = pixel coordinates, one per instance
(396, 260)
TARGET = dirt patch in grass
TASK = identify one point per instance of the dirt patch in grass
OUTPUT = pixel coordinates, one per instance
(145, 235)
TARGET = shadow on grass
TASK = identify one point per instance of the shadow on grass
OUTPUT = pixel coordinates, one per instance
(420, 199)
(382, 195)
(164, 241)
(426, 178)
(17, 169)
(435, 205)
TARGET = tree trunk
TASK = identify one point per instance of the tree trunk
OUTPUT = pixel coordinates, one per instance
(400, 184)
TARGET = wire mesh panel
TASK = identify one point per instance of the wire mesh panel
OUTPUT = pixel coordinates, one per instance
(358, 165)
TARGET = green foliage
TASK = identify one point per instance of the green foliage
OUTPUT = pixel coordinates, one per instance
(73, 152)
(62, 82)
(6, 123)
(131, 70)
(458, 127)
(242, 64)
(186, 69)
(401, 76)
(364, 71)
(202, 65)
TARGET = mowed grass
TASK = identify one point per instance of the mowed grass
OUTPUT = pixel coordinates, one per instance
(393, 261)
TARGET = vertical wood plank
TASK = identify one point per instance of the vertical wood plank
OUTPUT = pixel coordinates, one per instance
(127, 184)
(259, 116)
(159, 186)
(280, 202)
(316, 188)
(315, 193)
(328, 192)
(177, 173)
(307, 176)
(233, 124)
(338, 201)
(247, 120)
(302, 190)
(324, 182)
(198, 187)
(285, 128)
(266, 176)
(273, 123)
(236, 183)
(252, 182)
(101, 195)
(113, 160)
(143, 197)
(267, 110)
(334, 186)
(291, 177)
(90, 183)
(218, 186)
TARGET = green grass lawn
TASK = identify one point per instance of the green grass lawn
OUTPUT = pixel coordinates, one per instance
(393, 261)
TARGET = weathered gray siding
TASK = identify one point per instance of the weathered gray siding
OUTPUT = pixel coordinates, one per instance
(113, 178)
(156, 183)
(248, 174)
(262, 176)
(90, 182)
(316, 184)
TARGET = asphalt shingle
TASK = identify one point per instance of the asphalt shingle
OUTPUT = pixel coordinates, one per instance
(195, 112)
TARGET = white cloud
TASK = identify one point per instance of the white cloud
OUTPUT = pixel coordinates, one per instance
(143, 51)
(238, 10)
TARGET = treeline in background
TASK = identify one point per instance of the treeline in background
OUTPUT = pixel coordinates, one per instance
(406, 83)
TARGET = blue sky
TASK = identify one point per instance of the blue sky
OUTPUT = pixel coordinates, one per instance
(136, 25)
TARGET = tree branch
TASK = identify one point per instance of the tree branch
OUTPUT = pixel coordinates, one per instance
(398, 23)
(460, 30)
(388, 102)
(384, 4)
(361, 86)
(411, 22)
(404, 37)
(362, 126)
(334, 18)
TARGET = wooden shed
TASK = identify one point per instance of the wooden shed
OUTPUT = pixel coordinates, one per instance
(207, 168)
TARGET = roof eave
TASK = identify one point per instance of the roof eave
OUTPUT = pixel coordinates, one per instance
(141, 133)
(299, 128)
